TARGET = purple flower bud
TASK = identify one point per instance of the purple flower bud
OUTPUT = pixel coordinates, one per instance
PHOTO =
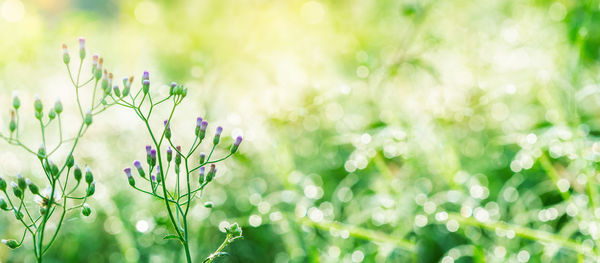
(178, 157)
(198, 121)
(146, 76)
(148, 149)
(211, 173)
(81, 47)
(203, 126)
(153, 178)
(173, 84)
(202, 157)
(217, 137)
(139, 168)
(153, 156)
(166, 122)
(127, 172)
(81, 43)
(169, 154)
(201, 179)
(236, 144)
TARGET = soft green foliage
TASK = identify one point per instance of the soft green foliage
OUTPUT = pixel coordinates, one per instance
(375, 131)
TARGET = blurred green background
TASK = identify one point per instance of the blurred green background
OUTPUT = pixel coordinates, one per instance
(375, 131)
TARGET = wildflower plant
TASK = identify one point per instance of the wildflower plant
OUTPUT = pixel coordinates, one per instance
(62, 189)
(164, 159)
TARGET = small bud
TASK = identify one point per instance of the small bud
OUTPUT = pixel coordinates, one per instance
(91, 189)
(18, 214)
(146, 86)
(208, 204)
(148, 155)
(70, 161)
(21, 182)
(94, 63)
(129, 176)
(3, 204)
(217, 137)
(153, 178)
(82, 48)
(139, 168)
(169, 154)
(167, 129)
(202, 157)
(172, 88)
(41, 152)
(153, 157)
(158, 174)
(183, 92)
(116, 91)
(211, 173)
(104, 84)
(236, 144)
(37, 104)
(2, 184)
(178, 156)
(33, 188)
(53, 169)
(234, 230)
(86, 210)
(202, 130)
(65, 51)
(198, 124)
(51, 114)
(88, 118)
(77, 173)
(201, 178)
(16, 101)
(16, 190)
(12, 125)
(108, 87)
(11, 243)
(126, 86)
(58, 107)
(89, 177)
(98, 71)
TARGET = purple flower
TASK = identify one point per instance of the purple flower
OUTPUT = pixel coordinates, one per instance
(127, 172)
(202, 170)
(153, 178)
(198, 121)
(203, 126)
(238, 141)
(166, 123)
(153, 154)
(173, 84)
(169, 150)
(81, 43)
(137, 164)
(219, 131)
(146, 76)
(148, 149)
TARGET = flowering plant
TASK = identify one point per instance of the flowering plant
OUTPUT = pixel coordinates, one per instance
(163, 157)
(60, 194)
